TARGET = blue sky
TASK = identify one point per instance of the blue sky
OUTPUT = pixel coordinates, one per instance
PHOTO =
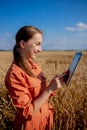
(63, 22)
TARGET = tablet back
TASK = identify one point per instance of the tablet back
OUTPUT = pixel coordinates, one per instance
(73, 65)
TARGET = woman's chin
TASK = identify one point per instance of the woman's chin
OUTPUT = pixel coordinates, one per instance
(33, 57)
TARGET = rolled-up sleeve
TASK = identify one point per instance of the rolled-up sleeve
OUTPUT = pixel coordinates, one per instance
(19, 91)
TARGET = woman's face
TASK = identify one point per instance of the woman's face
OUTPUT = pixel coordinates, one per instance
(32, 47)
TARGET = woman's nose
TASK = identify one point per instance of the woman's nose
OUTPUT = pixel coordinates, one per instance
(40, 49)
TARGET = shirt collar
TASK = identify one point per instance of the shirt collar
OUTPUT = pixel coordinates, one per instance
(33, 65)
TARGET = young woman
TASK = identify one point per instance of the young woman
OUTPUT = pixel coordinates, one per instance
(26, 83)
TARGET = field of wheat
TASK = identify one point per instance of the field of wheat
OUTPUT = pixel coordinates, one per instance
(70, 103)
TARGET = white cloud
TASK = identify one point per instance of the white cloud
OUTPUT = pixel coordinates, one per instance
(79, 26)
(70, 29)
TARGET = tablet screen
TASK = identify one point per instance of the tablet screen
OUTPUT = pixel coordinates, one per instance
(73, 65)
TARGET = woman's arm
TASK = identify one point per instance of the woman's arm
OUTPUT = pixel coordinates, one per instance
(54, 84)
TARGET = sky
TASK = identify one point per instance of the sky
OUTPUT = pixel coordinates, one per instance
(63, 22)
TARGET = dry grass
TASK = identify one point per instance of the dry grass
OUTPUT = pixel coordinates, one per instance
(70, 103)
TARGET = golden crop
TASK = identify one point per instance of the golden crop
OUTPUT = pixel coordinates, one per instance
(70, 103)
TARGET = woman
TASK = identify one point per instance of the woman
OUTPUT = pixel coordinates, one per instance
(26, 83)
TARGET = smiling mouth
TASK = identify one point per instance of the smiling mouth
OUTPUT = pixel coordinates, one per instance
(36, 53)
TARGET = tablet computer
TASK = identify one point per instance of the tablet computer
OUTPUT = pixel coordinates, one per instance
(73, 66)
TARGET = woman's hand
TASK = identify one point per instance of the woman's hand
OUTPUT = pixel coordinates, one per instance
(58, 80)
(64, 76)
(55, 83)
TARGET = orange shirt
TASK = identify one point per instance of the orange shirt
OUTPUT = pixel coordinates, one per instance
(24, 90)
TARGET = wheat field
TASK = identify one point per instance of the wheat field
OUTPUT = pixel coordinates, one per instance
(70, 103)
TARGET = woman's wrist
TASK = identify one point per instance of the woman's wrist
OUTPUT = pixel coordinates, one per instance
(41, 99)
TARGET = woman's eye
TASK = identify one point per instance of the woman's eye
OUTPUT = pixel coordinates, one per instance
(38, 44)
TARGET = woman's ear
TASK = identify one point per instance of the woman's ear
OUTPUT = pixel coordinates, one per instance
(22, 44)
